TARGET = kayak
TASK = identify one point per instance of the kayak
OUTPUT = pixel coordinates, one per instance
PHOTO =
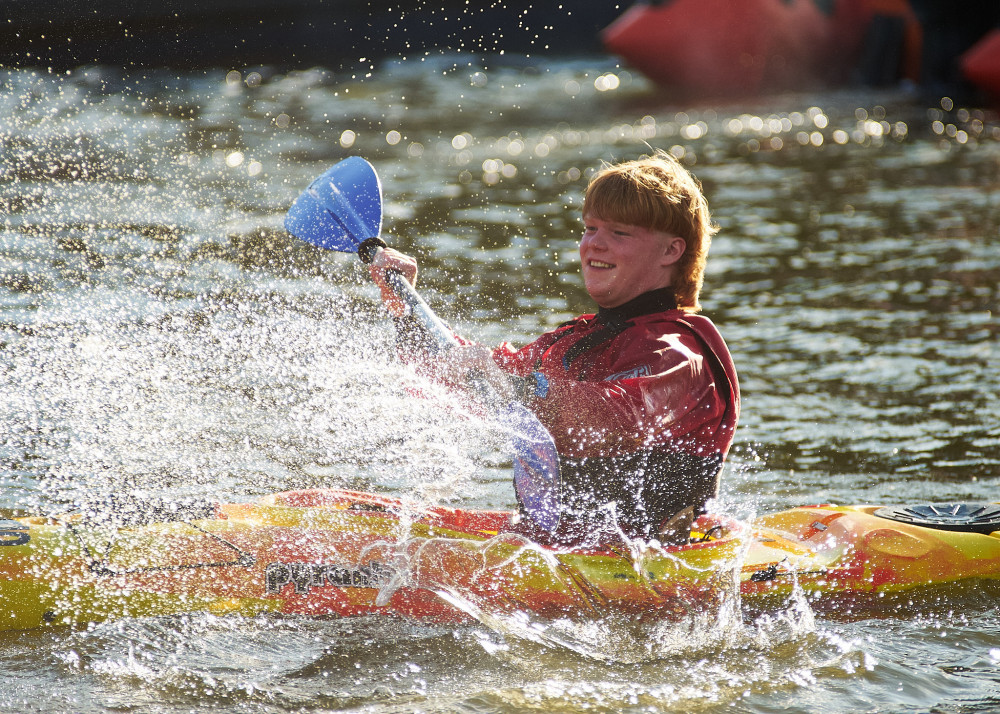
(326, 552)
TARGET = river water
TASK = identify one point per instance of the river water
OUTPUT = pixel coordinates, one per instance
(160, 333)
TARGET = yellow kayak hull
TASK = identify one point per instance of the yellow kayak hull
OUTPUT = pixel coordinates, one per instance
(339, 553)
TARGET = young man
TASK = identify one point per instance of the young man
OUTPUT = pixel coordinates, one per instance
(641, 397)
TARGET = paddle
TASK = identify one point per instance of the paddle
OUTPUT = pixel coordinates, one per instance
(342, 211)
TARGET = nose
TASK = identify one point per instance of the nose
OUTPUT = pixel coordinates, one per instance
(595, 240)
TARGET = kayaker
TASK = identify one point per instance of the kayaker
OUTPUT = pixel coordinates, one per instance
(641, 397)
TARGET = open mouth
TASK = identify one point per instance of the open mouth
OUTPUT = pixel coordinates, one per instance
(599, 264)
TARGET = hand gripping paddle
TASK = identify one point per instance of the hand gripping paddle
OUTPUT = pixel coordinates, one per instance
(342, 210)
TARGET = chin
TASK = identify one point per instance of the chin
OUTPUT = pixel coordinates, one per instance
(596, 297)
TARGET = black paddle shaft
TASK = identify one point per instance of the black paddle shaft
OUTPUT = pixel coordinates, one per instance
(438, 334)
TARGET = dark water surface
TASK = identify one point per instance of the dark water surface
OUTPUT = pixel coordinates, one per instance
(160, 332)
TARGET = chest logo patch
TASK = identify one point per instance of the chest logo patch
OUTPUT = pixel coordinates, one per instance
(643, 370)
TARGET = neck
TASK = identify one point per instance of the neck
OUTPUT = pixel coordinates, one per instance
(659, 300)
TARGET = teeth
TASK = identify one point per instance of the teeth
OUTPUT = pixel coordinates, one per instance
(599, 264)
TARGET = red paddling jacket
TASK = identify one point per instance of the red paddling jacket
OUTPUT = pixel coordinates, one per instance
(642, 401)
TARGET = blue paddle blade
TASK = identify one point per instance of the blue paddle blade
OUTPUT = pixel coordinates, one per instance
(536, 466)
(340, 209)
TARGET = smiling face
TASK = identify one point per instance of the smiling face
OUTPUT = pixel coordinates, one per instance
(621, 261)
(637, 214)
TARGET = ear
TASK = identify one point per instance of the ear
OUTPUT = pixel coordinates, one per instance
(673, 251)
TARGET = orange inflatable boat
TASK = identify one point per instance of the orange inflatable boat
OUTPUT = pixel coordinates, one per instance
(720, 47)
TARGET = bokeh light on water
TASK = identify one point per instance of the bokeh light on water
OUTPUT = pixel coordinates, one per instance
(160, 332)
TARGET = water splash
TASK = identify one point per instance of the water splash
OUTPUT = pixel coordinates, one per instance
(699, 609)
(220, 402)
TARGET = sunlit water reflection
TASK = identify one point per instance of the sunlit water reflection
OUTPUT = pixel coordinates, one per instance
(159, 332)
